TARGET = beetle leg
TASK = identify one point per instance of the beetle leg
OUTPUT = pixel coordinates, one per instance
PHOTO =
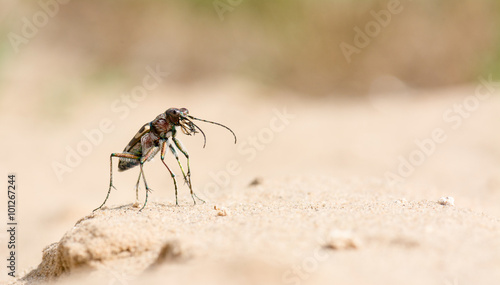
(171, 146)
(174, 152)
(123, 155)
(163, 150)
(181, 147)
(147, 188)
(137, 187)
(143, 159)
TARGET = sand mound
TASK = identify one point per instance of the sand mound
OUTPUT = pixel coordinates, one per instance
(294, 231)
(120, 238)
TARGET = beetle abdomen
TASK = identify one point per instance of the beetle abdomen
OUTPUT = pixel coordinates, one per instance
(127, 163)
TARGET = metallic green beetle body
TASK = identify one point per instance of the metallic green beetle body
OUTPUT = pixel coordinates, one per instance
(154, 137)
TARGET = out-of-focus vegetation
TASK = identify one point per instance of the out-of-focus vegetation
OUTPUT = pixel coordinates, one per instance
(285, 43)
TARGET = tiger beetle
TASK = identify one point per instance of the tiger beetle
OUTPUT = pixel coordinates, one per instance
(156, 136)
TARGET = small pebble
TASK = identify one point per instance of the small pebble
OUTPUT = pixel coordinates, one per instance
(257, 181)
(340, 240)
(401, 201)
(222, 211)
(447, 201)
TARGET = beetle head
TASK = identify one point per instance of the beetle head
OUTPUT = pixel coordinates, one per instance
(180, 117)
(175, 115)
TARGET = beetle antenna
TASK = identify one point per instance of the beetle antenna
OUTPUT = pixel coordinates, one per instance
(204, 137)
(206, 121)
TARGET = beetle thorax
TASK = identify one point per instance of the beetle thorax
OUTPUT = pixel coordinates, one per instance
(161, 126)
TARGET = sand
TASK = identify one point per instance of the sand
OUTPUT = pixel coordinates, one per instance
(301, 230)
(310, 205)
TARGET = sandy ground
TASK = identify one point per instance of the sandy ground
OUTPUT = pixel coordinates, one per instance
(321, 212)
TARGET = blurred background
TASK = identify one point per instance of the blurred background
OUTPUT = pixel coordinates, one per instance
(287, 44)
(362, 79)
